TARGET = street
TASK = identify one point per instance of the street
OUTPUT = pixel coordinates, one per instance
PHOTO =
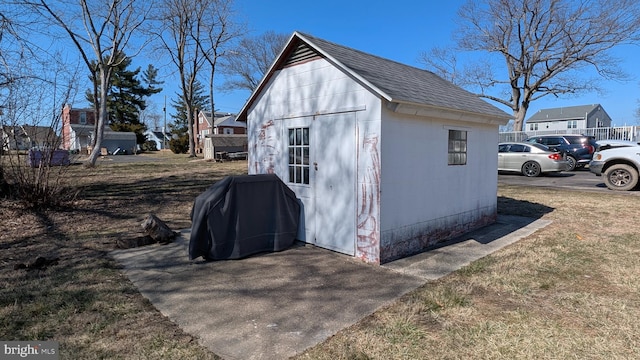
(581, 179)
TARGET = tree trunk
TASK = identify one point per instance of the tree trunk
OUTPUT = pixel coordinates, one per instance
(518, 123)
(192, 133)
(103, 116)
(157, 229)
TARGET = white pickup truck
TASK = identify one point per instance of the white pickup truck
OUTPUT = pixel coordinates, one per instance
(618, 161)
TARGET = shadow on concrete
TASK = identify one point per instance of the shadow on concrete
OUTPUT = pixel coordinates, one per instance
(276, 305)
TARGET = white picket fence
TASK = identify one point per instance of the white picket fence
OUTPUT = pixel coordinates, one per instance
(631, 133)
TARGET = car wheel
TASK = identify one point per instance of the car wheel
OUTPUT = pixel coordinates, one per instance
(572, 163)
(531, 169)
(621, 177)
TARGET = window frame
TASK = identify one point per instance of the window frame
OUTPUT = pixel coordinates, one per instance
(299, 150)
(457, 146)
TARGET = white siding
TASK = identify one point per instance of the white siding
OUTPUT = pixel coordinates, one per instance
(315, 87)
(557, 125)
(425, 200)
(297, 95)
(407, 196)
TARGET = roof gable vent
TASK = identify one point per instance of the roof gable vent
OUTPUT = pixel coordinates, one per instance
(302, 53)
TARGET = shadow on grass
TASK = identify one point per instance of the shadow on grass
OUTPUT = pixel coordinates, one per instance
(509, 206)
(513, 215)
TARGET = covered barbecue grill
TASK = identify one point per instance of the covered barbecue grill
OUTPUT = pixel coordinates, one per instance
(243, 215)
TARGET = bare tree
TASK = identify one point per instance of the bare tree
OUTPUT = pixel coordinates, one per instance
(544, 46)
(444, 62)
(248, 63)
(26, 103)
(218, 33)
(100, 30)
(178, 26)
(34, 86)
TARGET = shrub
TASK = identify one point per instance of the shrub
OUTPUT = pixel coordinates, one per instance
(180, 145)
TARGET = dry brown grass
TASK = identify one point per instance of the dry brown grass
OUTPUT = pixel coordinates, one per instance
(568, 291)
(84, 301)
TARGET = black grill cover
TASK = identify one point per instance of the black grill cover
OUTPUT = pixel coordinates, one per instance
(243, 215)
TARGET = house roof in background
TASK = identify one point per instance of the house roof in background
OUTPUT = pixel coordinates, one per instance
(563, 113)
(229, 120)
(222, 119)
(394, 81)
(159, 134)
(38, 134)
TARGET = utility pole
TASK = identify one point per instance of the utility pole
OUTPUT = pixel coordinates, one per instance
(164, 128)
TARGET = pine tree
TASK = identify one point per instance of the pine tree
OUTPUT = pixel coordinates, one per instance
(127, 97)
(180, 118)
(179, 129)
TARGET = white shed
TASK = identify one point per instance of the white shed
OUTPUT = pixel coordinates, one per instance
(387, 159)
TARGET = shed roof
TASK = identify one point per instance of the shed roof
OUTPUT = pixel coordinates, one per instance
(398, 83)
(107, 134)
(225, 140)
(563, 113)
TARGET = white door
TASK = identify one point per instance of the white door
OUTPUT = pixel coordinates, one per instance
(335, 182)
(321, 170)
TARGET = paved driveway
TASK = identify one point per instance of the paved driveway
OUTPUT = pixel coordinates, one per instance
(581, 179)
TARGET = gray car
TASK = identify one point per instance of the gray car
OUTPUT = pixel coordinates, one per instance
(530, 159)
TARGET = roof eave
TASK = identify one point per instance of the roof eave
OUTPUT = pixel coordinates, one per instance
(448, 113)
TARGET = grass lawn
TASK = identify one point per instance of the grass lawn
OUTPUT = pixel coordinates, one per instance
(571, 290)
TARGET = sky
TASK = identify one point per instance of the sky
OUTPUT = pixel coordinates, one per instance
(401, 30)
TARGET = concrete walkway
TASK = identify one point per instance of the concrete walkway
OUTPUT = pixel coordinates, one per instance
(276, 305)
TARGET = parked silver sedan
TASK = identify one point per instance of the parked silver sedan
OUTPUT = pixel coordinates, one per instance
(530, 159)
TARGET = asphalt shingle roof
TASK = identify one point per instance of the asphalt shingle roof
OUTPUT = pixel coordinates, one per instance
(404, 83)
(392, 80)
(562, 113)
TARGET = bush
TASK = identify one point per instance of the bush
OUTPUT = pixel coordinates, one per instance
(149, 146)
(42, 185)
(180, 145)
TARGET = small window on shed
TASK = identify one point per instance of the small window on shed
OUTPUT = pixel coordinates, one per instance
(299, 155)
(457, 147)
(83, 118)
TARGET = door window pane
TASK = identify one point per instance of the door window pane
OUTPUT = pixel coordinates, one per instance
(299, 148)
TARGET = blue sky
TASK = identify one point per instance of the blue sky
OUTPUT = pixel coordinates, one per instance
(401, 30)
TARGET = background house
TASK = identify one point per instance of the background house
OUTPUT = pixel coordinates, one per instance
(567, 118)
(338, 126)
(25, 137)
(159, 137)
(78, 132)
(221, 123)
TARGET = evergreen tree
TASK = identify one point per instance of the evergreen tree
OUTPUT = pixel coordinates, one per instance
(127, 97)
(179, 125)
(180, 129)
